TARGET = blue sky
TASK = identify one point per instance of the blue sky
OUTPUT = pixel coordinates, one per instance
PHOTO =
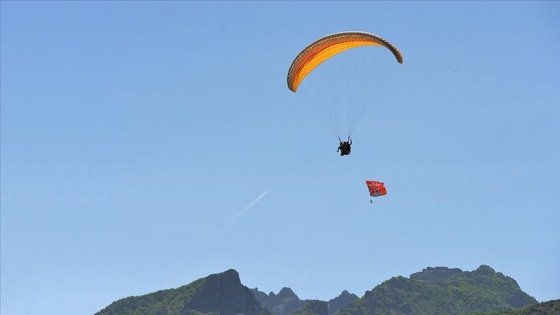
(146, 144)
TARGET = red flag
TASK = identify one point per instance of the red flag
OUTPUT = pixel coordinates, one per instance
(376, 189)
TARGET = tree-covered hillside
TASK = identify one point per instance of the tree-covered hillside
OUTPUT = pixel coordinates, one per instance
(217, 294)
(432, 291)
(544, 308)
(442, 291)
(286, 301)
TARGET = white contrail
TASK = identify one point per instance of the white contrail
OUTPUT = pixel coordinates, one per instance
(252, 203)
(240, 212)
(237, 215)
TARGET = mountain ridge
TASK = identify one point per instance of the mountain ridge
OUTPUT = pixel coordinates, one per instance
(442, 290)
(434, 290)
(220, 293)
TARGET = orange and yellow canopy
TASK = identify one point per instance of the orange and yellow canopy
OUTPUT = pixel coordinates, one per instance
(331, 45)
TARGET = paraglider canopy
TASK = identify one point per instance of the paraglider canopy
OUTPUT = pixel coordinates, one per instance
(329, 46)
(340, 76)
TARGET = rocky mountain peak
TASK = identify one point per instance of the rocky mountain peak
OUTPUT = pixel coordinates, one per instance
(286, 293)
